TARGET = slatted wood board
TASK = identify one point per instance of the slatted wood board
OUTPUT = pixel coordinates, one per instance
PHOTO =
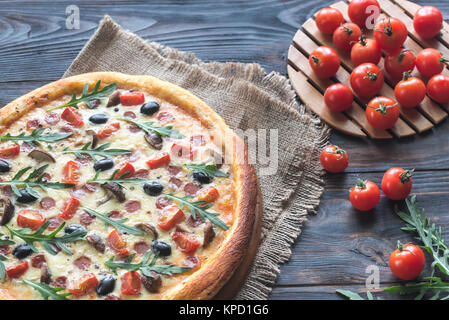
(310, 89)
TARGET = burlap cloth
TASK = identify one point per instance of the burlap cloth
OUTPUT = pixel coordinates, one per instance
(247, 98)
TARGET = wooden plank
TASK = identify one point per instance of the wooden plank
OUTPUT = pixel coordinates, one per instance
(356, 112)
(401, 129)
(313, 99)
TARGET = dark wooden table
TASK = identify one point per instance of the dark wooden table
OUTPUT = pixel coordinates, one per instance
(338, 243)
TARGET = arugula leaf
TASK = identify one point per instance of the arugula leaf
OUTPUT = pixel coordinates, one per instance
(428, 234)
(349, 294)
(148, 127)
(208, 169)
(46, 239)
(119, 180)
(435, 286)
(144, 266)
(2, 267)
(116, 223)
(29, 183)
(102, 151)
(36, 136)
(47, 291)
(200, 208)
(96, 93)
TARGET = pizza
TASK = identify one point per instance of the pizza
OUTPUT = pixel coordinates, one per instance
(117, 186)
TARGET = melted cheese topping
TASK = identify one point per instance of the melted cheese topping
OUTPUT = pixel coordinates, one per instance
(62, 264)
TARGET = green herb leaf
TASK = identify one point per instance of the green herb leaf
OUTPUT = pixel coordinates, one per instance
(36, 136)
(349, 294)
(200, 208)
(46, 239)
(96, 93)
(34, 179)
(144, 266)
(116, 223)
(148, 127)
(119, 180)
(102, 151)
(47, 291)
(428, 234)
(434, 286)
(208, 169)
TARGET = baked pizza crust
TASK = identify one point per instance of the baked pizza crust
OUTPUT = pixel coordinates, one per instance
(213, 274)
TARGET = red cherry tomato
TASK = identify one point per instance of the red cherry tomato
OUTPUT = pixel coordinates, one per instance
(71, 172)
(428, 22)
(87, 283)
(70, 208)
(399, 61)
(117, 243)
(430, 62)
(382, 112)
(170, 217)
(186, 242)
(132, 98)
(366, 50)
(334, 159)
(346, 35)
(367, 80)
(390, 33)
(159, 161)
(397, 183)
(131, 283)
(10, 152)
(127, 168)
(407, 262)
(361, 13)
(410, 91)
(328, 19)
(338, 97)
(30, 218)
(108, 131)
(324, 61)
(17, 270)
(438, 88)
(365, 195)
(71, 116)
(208, 195)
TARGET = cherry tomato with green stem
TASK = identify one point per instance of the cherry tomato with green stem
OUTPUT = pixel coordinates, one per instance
(410, 91)
(366, 50)
(365, 195)
(438, 88)
(329, 19)
(346, 35)
(324, 61)
(390, 33)
(407, 261)
(366, 80)
(399, 61)
(430, 62)
(334, 159)
(382, 112)
(338, 97)
(359, 12)
(397, 183)
(428, 22)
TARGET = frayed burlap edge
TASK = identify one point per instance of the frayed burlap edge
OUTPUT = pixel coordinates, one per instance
(285, 214)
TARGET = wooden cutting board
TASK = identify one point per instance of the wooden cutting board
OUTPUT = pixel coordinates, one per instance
(310, 89)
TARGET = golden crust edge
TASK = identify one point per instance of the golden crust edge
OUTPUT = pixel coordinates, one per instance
(202, 284)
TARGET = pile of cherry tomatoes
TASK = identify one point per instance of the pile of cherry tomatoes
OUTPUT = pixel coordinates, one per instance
(366, 81)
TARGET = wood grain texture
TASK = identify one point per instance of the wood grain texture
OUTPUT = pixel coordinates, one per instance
(337, 243)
